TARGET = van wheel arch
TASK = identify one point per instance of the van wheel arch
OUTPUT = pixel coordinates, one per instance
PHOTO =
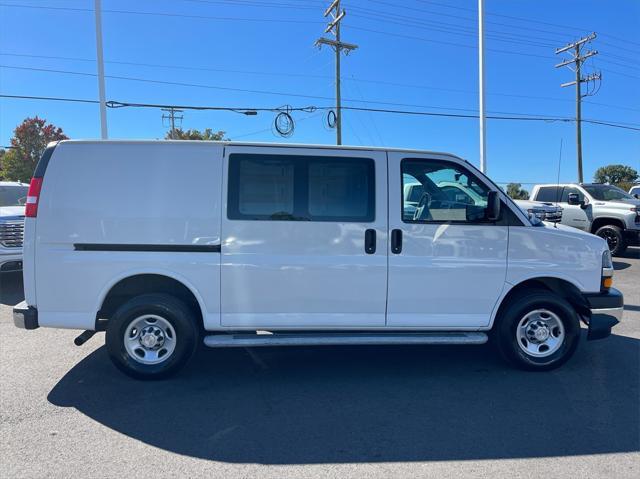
(139, 284)
(561, 287)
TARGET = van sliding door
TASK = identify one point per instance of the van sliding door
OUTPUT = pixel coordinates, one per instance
(304, 238)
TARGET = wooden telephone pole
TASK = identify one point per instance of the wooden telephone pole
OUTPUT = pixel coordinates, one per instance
(338, 46)
(575, 64)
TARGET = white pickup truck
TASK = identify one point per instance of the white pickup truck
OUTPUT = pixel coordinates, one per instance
(604, 210)
(13, 196)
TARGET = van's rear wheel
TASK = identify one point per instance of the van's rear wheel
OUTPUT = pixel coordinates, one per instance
(537, 331)
(152, 336)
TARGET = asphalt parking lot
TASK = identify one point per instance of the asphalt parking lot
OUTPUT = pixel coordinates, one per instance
(330, 412)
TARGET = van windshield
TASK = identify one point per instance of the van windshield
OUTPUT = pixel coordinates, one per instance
(13, 195)
(607, 192)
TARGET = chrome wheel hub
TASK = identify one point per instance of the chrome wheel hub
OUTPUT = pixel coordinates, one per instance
(150, 339)
(540, 333)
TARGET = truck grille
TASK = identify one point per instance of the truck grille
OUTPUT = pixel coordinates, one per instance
(12, 233)
(553, 217)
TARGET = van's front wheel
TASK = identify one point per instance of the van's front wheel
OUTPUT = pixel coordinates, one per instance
(151, 336)
(537, 331)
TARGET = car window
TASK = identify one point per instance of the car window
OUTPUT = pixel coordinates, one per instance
(567, 191)
(301, 188)
(607, 192)
(456, 194)
(450, 193)
(13, 195)
(548, 193)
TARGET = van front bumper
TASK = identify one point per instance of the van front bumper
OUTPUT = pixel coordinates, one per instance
(25, 317)
(606, 311)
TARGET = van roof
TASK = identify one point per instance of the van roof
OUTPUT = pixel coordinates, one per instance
(279, 145)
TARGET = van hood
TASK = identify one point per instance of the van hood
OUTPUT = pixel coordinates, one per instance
(568, 229)
(11, 211)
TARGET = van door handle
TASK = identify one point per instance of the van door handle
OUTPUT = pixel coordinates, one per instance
(370, 241)
(396, 241)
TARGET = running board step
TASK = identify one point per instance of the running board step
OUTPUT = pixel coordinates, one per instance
(336, 339)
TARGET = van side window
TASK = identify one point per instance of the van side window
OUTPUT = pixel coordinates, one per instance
(265, 187)
(301, 188)
(549, 193)
(441, 192)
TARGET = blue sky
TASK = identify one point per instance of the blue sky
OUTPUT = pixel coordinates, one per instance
(412, 55)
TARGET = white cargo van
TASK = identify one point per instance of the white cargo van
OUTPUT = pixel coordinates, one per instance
(168, 244)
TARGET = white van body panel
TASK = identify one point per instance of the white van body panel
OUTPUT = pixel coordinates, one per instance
(125, 193)
(555, 251)
(280, 275)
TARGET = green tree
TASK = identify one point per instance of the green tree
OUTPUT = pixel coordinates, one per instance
(618, 175)
(2, 152)
(30, 138)
(515, 191)
(206, 135)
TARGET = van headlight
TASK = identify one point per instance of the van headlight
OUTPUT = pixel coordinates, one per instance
(607, 270)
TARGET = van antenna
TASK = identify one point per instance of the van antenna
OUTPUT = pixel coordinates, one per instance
(555, 224)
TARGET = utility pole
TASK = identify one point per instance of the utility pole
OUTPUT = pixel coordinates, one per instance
(172, 117)
(100, 61)
(575, 64)
(483, 121)
(338, 46)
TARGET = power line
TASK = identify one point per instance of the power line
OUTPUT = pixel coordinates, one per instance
(518, 39)
(117, 104)
(164, 14)
(528, 20)
(206, 17)
(262, 92)
(306, 75)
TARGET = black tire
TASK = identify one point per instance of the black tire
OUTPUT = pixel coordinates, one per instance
(505, 331)
(165, 306)
(614, 237)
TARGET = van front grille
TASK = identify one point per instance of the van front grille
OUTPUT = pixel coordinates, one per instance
(12, 233)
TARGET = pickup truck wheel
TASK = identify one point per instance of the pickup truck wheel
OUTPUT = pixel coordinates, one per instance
(615, 239)
(537, 331)
(151, 336)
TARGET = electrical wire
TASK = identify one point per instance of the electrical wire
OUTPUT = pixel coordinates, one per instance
(328, 108)
(164, 14)
(305, 75)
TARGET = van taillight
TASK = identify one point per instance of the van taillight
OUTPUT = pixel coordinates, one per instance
(31, 209)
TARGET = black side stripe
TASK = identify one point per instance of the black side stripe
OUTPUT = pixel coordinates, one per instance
(172, 248)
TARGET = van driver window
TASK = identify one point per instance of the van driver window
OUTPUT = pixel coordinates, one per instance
(437, 192)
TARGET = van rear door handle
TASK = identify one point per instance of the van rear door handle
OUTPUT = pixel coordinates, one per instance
(396, 241)
(370, 241)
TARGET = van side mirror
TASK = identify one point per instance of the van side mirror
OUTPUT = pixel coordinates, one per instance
(493, 206)
(574, 199)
